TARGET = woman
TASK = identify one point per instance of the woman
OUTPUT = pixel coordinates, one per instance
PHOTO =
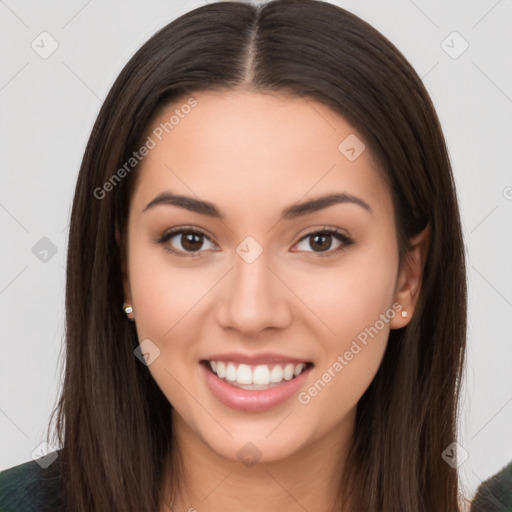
(266, 290)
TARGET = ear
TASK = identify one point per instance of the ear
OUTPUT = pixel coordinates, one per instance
(408, 283)
(126, 281)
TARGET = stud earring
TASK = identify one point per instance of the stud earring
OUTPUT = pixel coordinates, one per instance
(404, 313)
(128, 310)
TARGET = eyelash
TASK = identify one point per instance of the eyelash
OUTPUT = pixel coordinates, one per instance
(165, 237)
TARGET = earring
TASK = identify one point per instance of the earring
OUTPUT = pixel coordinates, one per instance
(404, 313)
(128, 310)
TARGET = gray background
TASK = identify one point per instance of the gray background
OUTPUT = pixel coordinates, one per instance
(48, 106)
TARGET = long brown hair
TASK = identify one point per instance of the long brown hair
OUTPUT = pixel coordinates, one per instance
(113, 422)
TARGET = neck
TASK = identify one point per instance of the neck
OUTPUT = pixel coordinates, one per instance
(306, 480)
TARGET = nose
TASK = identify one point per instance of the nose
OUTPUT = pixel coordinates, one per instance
(254, 298)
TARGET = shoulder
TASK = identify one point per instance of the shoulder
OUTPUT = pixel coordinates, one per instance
(495, 494)
(33, 486)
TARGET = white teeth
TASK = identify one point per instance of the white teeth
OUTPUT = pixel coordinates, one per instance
(260, 375)
(298, 369)
(221, 370)
(276, 375)
(231, 372)
(244, 374)
(288, 372)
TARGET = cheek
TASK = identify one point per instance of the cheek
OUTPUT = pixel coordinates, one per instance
(351, 297)
(354, 304)
(163, 292)
(165, 299)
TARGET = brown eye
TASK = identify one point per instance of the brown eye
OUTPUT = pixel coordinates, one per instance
(191, 241)
(321, 241)
(184, 242)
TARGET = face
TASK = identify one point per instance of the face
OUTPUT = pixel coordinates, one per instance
(290, 304)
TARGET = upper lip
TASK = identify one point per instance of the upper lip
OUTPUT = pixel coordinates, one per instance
(255, 359)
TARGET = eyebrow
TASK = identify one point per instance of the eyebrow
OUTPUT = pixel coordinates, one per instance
(289, 213)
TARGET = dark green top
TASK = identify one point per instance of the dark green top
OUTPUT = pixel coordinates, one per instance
(495, 494)
(33, 486)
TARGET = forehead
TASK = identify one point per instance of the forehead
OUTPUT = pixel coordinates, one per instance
(241, 148)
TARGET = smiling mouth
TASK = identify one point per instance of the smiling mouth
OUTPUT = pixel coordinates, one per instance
(255, 377)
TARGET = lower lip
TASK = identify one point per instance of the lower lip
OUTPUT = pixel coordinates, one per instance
(252, 400)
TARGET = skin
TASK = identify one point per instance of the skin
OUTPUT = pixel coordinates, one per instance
(252, 155)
